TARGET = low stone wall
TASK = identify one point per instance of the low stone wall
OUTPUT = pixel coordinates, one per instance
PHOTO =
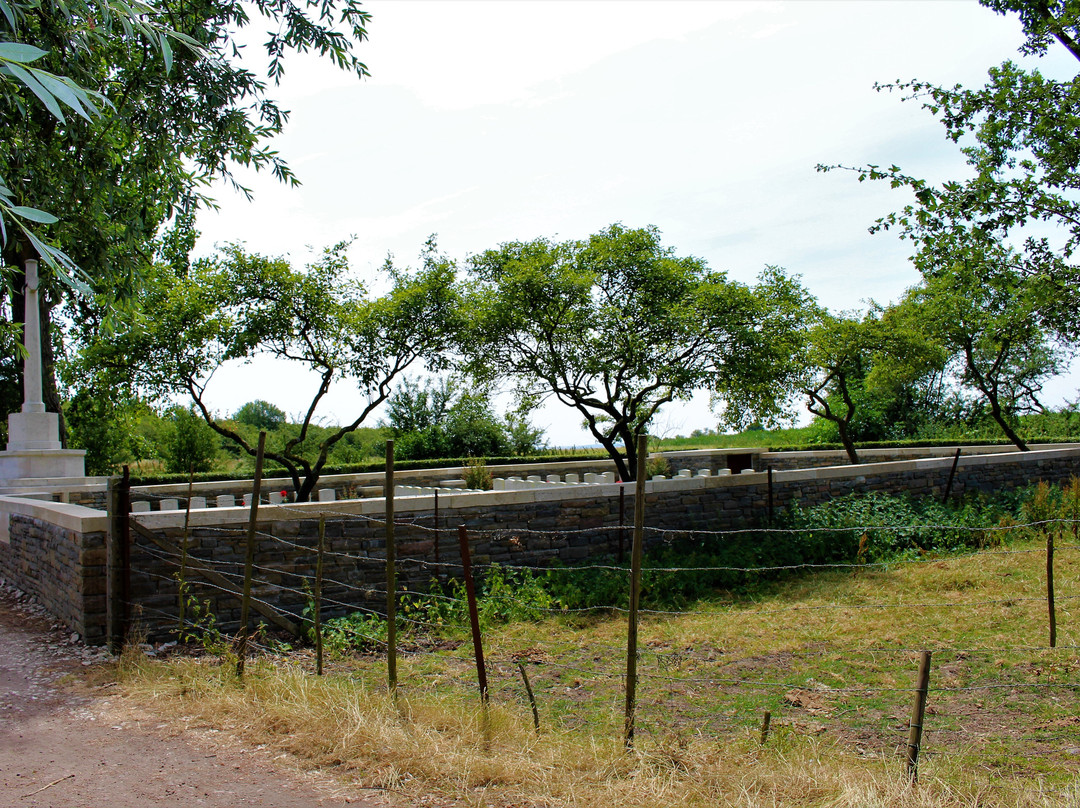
(528, 527)
(786, 461)
(57, 551)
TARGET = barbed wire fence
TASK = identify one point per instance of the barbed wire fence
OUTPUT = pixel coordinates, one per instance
(997, 703)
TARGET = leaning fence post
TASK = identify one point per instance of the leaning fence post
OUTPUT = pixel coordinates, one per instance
(952, 474)
(635, 595)
(316, 612)
(249, 561)
(532, 697)
(391, 574)
(474, 614)
(918, 713)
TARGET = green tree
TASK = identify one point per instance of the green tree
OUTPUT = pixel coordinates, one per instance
(191, 444)
(239, 305)
(177, 109)
(984, 314)
(447, 418)
(1018, 135)
(261, 415)
(866, 376)
(616, 326)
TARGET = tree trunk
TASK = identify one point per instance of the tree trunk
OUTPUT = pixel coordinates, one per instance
(1002, 421)
(849, 444)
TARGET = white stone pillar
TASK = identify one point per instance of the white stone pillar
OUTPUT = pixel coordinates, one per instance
(33, 400)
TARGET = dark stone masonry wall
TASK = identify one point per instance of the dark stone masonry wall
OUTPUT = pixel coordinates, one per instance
(532, 533)
(63, 569)
(66, 568)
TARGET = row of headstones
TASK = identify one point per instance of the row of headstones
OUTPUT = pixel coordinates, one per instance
(498, 484)
(589, 478)
(225, 501)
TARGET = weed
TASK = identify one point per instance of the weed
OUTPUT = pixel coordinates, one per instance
(477, 474)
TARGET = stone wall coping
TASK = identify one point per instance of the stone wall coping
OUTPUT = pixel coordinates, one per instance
(450, 500)
(919, 451)
(717, 452)
(65, 515)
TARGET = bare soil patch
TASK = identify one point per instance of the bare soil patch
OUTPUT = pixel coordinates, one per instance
(65, 742)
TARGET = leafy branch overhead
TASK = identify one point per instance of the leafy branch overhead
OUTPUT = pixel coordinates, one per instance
(996, 249)
(132, 109)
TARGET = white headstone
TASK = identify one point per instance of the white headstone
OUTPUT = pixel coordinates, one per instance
(552, 478)
(140, 507)
(327, 495)
(197, 503)
(572, 478)
(225, 500)
(169, 505)
(276, 498)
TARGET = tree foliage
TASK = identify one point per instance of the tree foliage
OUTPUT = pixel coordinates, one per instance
(617, 325)
(261, 415)
(1022, 195)
(117, 117)
(240, 305)
(446, 418)
(984, 315)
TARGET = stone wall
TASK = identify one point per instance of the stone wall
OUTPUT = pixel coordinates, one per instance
(531, 527)
(57, 551)
(58, 559)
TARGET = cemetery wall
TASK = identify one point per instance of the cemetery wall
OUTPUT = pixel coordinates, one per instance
(56, 551)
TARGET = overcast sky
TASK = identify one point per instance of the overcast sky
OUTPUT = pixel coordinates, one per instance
(487, 122)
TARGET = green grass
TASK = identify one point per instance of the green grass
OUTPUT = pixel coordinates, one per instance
(832, 655)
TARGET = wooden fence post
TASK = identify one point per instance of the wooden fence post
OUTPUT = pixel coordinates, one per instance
(532, 697)
(771, 508)
(435, 523)
(474, 613)
(918, 713)
(622, 520)
(316, 612)
(635, 595)
(1050, 587)
(249, 561)
(116, 555)
(181, 584)
(391, 574)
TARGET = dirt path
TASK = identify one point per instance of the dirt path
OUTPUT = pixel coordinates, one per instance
(60, 748)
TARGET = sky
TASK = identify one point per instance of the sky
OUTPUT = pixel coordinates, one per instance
(485, 122)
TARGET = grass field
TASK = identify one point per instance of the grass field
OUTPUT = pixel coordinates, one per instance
(831, 655)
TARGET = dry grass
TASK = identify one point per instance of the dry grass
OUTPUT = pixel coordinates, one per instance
(698, 737)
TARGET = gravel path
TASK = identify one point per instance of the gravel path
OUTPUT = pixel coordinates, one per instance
(61, 749)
